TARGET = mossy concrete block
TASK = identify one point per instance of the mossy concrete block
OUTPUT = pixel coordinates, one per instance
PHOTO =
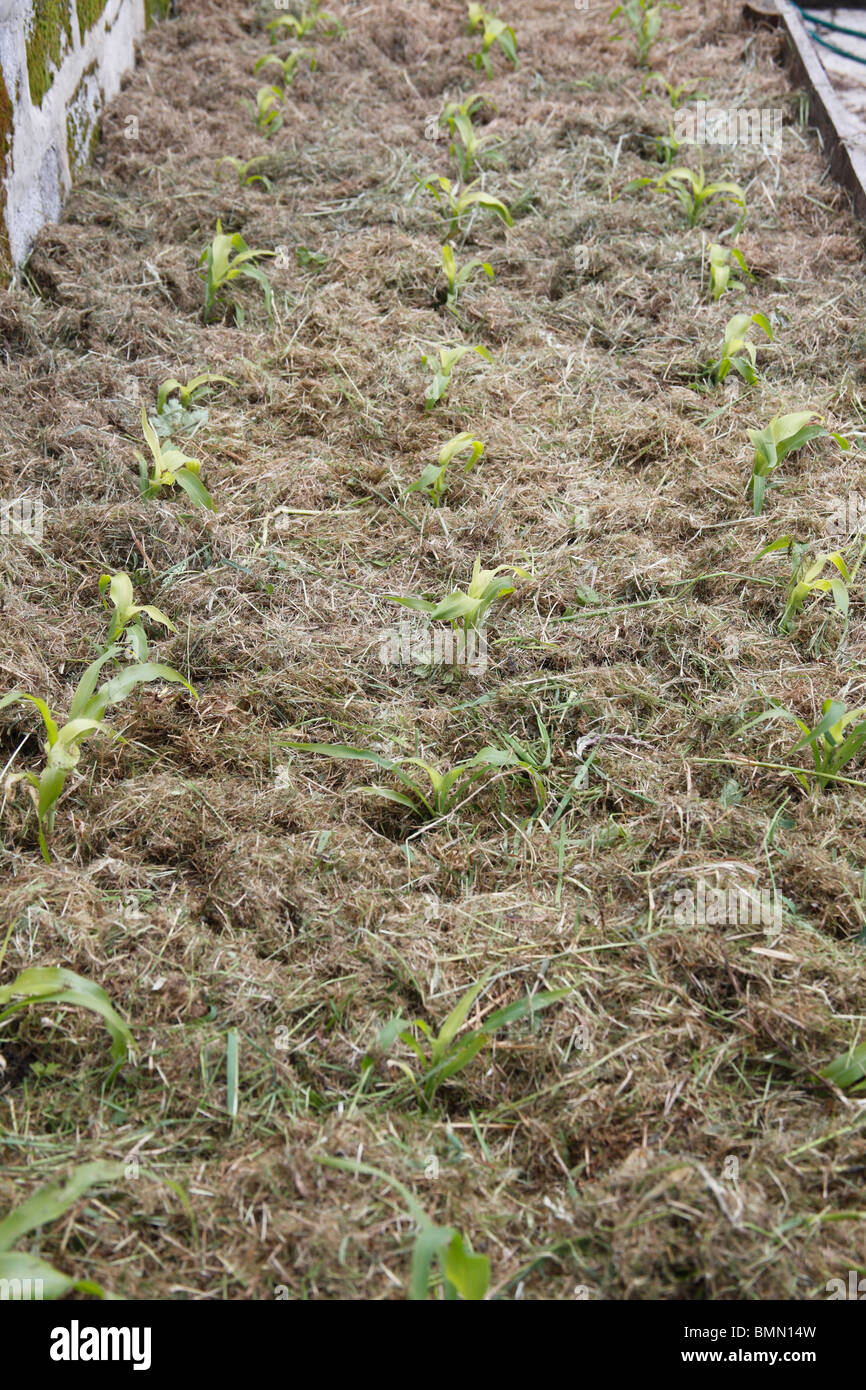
(60, 62)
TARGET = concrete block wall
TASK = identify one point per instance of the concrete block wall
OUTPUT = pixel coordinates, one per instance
(60, 62)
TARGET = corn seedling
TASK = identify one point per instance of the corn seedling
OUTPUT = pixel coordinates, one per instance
(808, 578)
(692, 191)
(676, 95)
(89, 703)
(298, 26)
(181, 413)
(305, 23)
(667, 147)
(244, 170)
(310, 260)
(442, 1055)
(644, 19)
(721, 270)
(448, 359)
(454, 203)
(782, 436)
(266, 110)
(468, 108)
(429, 803)
(456, 279)
(737, 351)
(126, 616)
(493, 31)
(221, 268)
(467, 145)
(290, 64)
(468, 608)
(433, 480)
(464, 1274)
(169, 467)
(835, 740)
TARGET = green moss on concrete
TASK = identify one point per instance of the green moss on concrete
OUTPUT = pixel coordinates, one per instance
(5, 155)
(156, 9)
(82, 119)
(89, 12)
(50, 21)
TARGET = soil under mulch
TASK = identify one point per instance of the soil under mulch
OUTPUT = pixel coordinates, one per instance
(661, 1132)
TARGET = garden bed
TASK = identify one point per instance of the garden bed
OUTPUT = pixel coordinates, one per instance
(222, 884)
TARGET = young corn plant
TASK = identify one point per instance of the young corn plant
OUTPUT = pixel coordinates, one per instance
(676, 95)
(466, 609)
(442, 369)
(722, 278)
(667, 147)
(313, 261)
(836, 738)
(808, 578)
(290, 64)
(644, 20)
(493, 31)
(469, 108)
(692, 192)
(221, 267)
(456, 279)
(126, 624)
(89, 703)
(181, 413)
(431, 802)
(463, 1274)
(442, 1055)
(737, 352)
(267, 110)
(433, 482)
(169, 467)
(298, 26)
(467, 146)
(455, 203)
(245, 170)
(781, 437)
(305, 23)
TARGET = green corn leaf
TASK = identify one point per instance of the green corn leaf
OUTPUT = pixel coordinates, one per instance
(467, 1272)
(87, 684)
(388, 794)
(432, 1241)
(52, 984)
(28, 1269)
(839, 590)
(55, 1199)
(454, 1062)
(848, 1068)
(457, 1017)
(119, 687)
(523, 1008)
(17, 697)
(194, 488)
(173, 384)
